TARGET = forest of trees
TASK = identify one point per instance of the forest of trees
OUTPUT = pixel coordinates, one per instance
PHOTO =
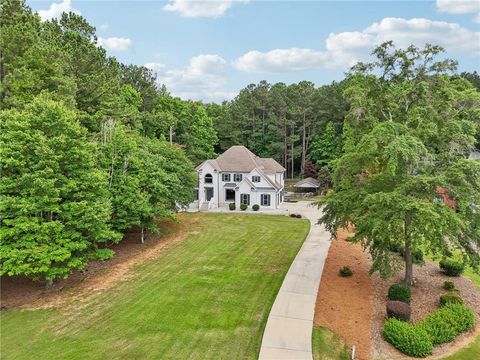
(90, 147)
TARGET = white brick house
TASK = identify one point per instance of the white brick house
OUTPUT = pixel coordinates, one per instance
(239, 176)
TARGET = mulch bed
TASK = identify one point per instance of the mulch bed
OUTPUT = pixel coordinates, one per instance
(425, 299)
(345, 304)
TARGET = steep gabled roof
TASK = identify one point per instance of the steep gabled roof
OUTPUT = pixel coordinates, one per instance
(238, 158)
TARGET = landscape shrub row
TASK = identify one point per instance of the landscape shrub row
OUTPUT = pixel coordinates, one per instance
(437, 328)
(400, 292)
(452, 267)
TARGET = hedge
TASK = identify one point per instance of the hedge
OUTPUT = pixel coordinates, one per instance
(407, 338)
(398, 310)
(400, 292)
(452, 267)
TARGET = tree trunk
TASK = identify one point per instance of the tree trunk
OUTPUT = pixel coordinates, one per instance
(171, 135)
(49, 284)
(293, 158)
(285, 148)
(408, 253)
(302, 165)
(143, 235)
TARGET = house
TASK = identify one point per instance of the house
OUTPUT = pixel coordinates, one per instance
(239, 176)
(307, 185)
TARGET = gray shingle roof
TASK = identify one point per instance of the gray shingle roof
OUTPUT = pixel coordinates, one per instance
(239, 158)
(307, 183)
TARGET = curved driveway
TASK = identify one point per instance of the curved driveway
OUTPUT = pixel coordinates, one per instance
(288, 333)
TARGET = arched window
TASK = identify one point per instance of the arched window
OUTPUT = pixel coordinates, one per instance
(208, 178)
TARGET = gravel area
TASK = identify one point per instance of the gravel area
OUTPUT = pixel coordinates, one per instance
(425, 299)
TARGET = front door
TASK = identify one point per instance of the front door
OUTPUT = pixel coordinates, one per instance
(208, 193)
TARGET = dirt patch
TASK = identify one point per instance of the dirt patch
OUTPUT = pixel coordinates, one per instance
(425, 299)
(345, 305)
(99, 275)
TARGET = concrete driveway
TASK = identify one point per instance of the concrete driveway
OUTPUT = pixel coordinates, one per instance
(288, 333)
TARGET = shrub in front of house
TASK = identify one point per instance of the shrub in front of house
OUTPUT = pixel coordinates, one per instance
(399, 310)
(407, 338)
(450, 299)
(449, 285)
(231, 206)
(293, 215)
(256, 207)
(417, 257)
(299, 216)
(345, 271)
(452, 267)
(399, 292)
(447, 323)
(243, 207)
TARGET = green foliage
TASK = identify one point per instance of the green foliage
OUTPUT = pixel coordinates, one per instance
(399, 136)
(243, 207)
(448, 322)
(450, 299)
(400, 292)
(231, 206)
(449, 285)
(452, 267)
(345, 271)
(399, 310)
(407, 338)
(55, 202)
(255, 207)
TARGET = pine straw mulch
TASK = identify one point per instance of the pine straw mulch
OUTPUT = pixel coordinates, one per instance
(425, 299)
(345, 304)
(354, 307)
(19, 292)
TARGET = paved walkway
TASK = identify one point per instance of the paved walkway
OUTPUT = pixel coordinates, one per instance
(288, 333)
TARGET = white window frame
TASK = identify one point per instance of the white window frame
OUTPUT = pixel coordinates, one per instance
(237, 177)
(210, 176)
(243, 197)
(264, 197)
(256, 178)
(226, 177)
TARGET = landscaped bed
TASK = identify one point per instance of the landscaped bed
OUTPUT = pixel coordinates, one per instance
(205, 295)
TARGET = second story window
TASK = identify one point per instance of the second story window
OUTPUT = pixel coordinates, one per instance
(225, 177)
(256, 178)
(208, 178)
(237, 177)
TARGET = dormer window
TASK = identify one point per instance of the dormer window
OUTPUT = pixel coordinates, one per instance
(237, 177)
(208, 179)
(256, 179)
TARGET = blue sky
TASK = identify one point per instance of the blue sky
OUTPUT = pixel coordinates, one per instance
(209, 50)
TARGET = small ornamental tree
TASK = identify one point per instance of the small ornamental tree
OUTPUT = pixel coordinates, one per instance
(55, 205)
(408, 132)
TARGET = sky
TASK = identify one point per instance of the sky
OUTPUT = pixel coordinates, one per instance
(210, 50)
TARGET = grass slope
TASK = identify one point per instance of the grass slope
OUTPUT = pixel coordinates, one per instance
(206, 297)
(327, 346)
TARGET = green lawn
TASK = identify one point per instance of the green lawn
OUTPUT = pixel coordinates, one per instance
(327, 346)
(206, 297)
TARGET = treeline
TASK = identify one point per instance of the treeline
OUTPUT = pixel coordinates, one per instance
(89, 147)
(298, 124)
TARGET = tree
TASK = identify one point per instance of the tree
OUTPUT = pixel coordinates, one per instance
(407, 133)
(55, 204)
(327, 146)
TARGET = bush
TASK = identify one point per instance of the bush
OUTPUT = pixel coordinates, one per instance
(417, 257)
(293, 215)
(452, 267)
(407, 338)
(231, 206)
(445, 324)
(345, 271)
(299, 216)
(399, 292)
(243, 207)
(256, 207)
(449, 286)
(450, 299)
(397, 248)
(398, 310)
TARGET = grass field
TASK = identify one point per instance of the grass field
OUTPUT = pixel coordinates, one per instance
(327, 346)
(206, 297)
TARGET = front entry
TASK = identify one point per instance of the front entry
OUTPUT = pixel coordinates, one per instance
(230, 195)
(208, 193)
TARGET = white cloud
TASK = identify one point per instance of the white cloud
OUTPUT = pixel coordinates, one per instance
(56, 9)
(202, 8)
(155, 66)
(115, 43)
(202, 79)
(476, 19)
(280, 60)
(346, 48)
(458, 6)
(104, 26)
